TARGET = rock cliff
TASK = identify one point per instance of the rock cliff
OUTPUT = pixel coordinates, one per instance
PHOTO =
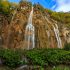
(12, 34)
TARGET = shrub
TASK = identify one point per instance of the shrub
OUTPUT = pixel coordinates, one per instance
(34, 57)
(42, 57)
(61, 68)
(48, 57)
(67, 46)
(11, 58)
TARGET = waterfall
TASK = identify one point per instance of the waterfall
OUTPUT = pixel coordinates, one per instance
(56, 31)
(29, 33)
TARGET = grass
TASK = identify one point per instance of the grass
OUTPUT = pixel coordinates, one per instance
(61, 67)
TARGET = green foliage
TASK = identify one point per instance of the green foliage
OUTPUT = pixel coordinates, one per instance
(11, 58)
(61, 68)
(48, 57)
(4, 7)
(67, 46)
(63, 18)
(42, 57)
(48, 11)
(39, 7)
(25, 3)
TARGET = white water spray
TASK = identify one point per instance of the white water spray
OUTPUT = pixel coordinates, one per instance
(29, 33)
(56, 31)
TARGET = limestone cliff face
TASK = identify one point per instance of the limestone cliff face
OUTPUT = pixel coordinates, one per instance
(12, 35)
(3, 29)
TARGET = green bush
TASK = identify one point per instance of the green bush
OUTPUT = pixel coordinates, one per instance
(67, 46)
(35, 57)
(42, 57)
(61, 68)
(11, 58)
(48, 57)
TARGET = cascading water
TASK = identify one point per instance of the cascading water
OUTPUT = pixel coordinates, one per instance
(56, 31)
(29, 33)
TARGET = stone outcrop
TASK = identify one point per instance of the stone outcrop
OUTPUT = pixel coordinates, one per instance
(3, 30)
(12, 34)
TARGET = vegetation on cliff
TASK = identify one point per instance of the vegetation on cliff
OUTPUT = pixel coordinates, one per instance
(61, 17)
(8, 8)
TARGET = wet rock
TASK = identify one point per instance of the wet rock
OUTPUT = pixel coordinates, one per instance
(1, 62)
(24, 67)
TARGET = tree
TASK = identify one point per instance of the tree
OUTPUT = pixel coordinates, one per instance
(4, 6)
(23, 1)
